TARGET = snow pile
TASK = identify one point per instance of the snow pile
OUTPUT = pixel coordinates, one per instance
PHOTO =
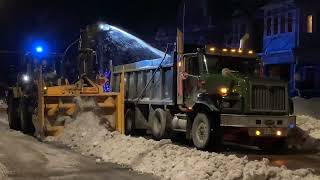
(88, 135)
(308, 107)
(3, 171)
(310, 125)
(307, 134)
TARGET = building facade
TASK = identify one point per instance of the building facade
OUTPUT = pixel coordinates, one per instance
(245, 27)
(290, 44)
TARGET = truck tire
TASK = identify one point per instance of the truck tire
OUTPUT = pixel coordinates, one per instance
(129, 122)
(12, 111)
(158, 122)
(201, 131)
(25, 117)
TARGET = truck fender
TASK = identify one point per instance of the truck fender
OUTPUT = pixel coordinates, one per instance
(207, 101)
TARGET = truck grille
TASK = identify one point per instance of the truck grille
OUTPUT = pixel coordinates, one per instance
(268, 98)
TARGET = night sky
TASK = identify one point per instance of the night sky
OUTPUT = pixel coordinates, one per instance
(58, 22)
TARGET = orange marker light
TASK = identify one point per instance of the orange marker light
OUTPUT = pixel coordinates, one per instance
(250, 52)
(233, 50)
(224, 50)
(224, 91)
(212, 49)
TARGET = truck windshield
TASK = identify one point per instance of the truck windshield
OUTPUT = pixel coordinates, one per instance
(218, 64)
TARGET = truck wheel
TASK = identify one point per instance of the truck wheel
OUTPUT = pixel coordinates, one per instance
(25, 117)
(129, 122)
(12, 111)
(158, 123)
(201, 131)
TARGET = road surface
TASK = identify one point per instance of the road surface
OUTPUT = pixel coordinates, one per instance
(292, 160)
(23, 157)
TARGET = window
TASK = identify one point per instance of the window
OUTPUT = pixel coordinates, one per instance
(192, 65)
(290, 24)
(283, 24)
(268, 25)
(243, 30)
(275, 25)
(310, 24)
(234, 31)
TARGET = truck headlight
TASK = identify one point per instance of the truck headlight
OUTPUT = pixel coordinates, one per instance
(258, 133)
(25, 78)
(279, 133)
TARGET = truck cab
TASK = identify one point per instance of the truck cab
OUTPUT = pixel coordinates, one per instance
(229, 84)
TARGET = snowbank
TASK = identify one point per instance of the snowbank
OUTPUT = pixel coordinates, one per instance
(88, 135)
(307, 134)
(308, 107)
(309, 125)
(3, 171)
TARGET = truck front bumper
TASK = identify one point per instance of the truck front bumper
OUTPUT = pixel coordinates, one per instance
(260, 125)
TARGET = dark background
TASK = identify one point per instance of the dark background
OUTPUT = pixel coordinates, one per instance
(58, 22)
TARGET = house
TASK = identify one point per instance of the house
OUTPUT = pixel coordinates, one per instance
(291, 44)
(201, 21)
(245, 26)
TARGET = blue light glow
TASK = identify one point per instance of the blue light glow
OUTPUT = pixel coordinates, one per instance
(39, 49)
(291, 126)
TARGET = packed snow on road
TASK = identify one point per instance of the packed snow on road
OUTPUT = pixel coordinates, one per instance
(89, 136)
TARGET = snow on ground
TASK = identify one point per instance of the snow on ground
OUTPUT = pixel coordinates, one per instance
(307, 134)
(308, 107)
(88, 135)
(310, 125)
(3, 171)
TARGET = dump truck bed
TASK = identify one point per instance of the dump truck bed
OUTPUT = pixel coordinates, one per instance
(160, 91)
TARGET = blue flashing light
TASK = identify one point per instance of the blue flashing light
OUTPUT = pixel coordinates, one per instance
(291, 126)
(39, 49)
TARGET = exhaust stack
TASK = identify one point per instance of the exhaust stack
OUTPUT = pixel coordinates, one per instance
(244, 41)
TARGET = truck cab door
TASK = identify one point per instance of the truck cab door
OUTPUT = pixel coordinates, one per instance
(190, 79)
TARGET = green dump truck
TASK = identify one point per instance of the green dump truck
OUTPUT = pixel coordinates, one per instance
(204, 95)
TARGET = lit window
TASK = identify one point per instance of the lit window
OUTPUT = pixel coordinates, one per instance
(309, 24)
(290, 24)
(275, 25)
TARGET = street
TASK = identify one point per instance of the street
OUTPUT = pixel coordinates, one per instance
(292, 160)
(26, 158)
(23, 157)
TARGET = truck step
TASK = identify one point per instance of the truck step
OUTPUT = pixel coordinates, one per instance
(179, 130)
